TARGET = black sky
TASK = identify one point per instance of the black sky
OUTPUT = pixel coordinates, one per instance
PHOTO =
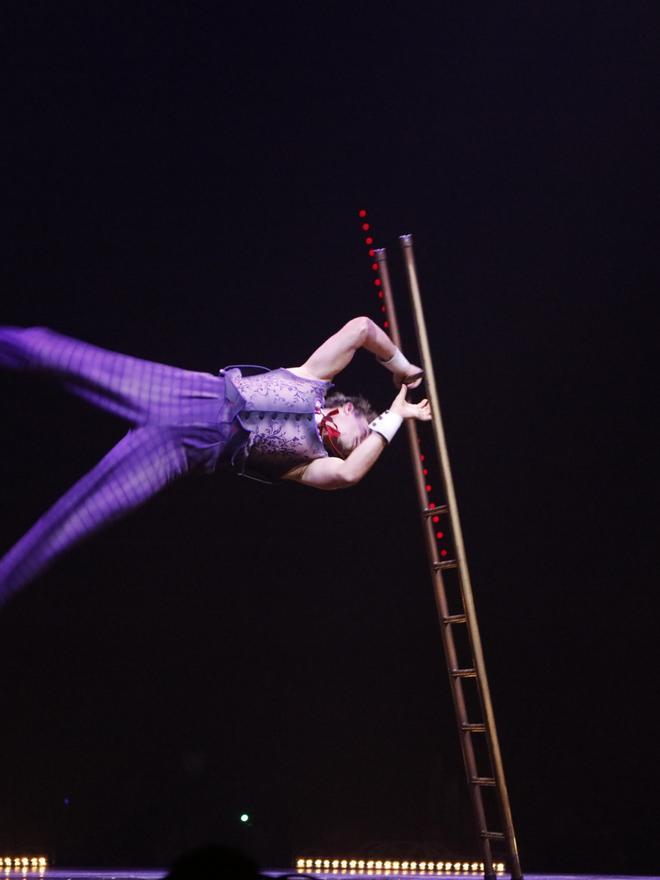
(181, 182)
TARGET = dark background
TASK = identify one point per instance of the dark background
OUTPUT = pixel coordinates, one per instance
(181, 181)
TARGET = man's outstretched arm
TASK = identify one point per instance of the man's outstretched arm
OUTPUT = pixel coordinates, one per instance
(337, 473)
(337, 352)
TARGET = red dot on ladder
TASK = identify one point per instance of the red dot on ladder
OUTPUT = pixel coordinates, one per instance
(425, 472)
(428, 487)
(374, 266)
(386, 324)
(421, 458)
(443, 553)
(362, 213)
(382, 308)
(439, 535)
(377, 282)
(380, 294)
(436, 519)
(365, 226)
(372, 253)
(368, 240)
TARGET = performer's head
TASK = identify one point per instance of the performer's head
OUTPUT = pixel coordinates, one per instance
(351, 420)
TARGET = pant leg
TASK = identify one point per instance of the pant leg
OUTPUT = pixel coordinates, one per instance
(138, 467)
(137, 390)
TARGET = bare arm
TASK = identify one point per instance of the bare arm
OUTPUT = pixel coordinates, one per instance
(337, 473)
(337, 352)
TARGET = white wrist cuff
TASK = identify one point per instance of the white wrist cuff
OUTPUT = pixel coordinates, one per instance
(397, 364)
(386, 424)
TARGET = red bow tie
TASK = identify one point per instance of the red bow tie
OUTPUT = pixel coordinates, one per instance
(327, 426)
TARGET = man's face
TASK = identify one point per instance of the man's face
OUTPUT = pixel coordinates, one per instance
(353, 426)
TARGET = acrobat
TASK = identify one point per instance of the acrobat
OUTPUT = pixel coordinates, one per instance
(281, 424)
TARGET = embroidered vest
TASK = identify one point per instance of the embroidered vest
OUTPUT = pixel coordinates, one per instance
(279, 414)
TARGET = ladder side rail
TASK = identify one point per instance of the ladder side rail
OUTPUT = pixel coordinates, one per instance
(451, 657)
(464, 577)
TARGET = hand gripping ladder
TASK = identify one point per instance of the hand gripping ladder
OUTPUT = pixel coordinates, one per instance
(483, 765)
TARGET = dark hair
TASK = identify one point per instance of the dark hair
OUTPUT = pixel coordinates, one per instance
(360, 404)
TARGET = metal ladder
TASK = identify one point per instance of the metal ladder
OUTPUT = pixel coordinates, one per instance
(459, 627)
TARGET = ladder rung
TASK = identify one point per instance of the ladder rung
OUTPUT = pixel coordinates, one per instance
(464, 673)
(435, 511)
(455, 618)
(492, 835)
(473, 728)
(483, 781)
(441, 566)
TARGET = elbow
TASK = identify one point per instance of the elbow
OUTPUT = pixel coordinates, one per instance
(360, 327)
(347, 478)
(342, 478)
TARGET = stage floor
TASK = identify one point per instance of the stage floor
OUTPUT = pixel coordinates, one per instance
(158, 874)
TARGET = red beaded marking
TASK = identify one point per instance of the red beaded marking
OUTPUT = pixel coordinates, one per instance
(375, 267)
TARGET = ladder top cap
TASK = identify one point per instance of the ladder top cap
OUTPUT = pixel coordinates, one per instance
(381, 254)
(406, 240)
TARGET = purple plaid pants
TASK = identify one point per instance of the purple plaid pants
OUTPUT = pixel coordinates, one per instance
(183, 421)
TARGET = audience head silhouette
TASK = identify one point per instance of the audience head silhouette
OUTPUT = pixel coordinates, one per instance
(214, 863)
